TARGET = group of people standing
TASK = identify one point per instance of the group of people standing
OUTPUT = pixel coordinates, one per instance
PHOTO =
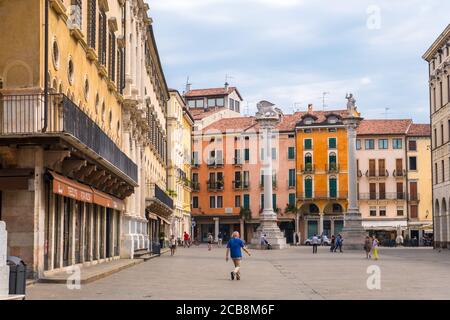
(173, 242)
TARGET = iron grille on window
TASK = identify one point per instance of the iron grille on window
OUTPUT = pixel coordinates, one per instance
(102, 38)
(112, 57)
(92, 19)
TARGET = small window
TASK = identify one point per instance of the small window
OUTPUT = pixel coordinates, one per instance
(195, 202)
(237, 201)
(412, 145)
(369, 144)
(332, 119)
(382, 211)
(211, 102)
(70, 71)
(86, 89)
(191, 103)
(219, 202)
(212, 202)
(358, 144)
(397, 143)
(110, 119)
(331, 143)
(291, 153)
(413, 163)
(307, 130)
(308, 121)
(97, 102)
(373, 211)
(219, 102)
(55, 54)
(308, 144)
(400, 211)
(382, 143)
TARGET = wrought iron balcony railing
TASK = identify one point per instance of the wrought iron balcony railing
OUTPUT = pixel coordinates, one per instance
(237, 162)
(382, 196)
(413, 197)
(215, 186)
(308, 168)
(241, 185)
(377, 173)
(399, 173)
(214, 162)
(27, 115)
(323, 195)
(155, 194)
(195, 186)
(332, 168)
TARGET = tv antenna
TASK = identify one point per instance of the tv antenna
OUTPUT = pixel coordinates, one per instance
(386, 112)
(227, 77)
(323, 99)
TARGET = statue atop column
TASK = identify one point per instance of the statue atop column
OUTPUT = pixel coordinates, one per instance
(267, 109)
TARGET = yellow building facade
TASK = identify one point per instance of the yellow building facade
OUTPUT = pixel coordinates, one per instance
(420, 200)
(322, 182)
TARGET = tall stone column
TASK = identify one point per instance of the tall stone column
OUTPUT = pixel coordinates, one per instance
(216, 229)
(321, 223)
(353, 231)
(4, 268)
(267, 117)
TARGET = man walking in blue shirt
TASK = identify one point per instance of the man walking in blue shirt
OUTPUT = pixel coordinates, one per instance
(234, 246)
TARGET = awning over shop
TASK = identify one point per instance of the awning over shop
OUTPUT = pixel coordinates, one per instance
(72, 189)
(81, 192)
(107, 200)
(384, 225)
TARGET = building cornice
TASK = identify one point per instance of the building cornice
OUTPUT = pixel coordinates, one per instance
(437, 44)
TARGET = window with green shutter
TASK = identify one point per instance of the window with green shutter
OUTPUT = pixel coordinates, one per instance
(274, 202)
(292, 199)
(246, 201)
(308, 144)
(291, 153)
(308, 187)
(333, 187)
(291, 177)
(247, 154)
(262, 201)
(332, 143)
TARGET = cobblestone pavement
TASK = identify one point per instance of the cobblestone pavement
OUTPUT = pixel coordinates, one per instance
(294, 273)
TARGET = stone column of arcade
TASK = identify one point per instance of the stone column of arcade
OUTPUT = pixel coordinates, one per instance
(353, 231)
(267, 117)
(4, 268)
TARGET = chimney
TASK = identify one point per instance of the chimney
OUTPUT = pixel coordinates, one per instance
(226, 87)
(310, 107)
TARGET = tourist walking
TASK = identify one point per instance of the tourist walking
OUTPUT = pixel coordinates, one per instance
(210, 241)
(315, 243)
(219, 240)
(375, 246)
(339, 241)
(368, 247)
(186, 238)
(173, 245)
(234, 246)
(333, 243)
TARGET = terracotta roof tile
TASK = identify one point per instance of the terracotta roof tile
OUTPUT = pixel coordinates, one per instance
(209, 92)
(391, 126)
(420, 130)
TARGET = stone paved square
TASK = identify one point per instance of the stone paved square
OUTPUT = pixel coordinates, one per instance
(293, 273)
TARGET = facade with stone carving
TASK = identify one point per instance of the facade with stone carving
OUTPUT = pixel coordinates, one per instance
(83, 141)
(438, 59)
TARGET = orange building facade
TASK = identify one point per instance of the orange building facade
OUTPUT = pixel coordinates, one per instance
(322, 173)
(227, 177)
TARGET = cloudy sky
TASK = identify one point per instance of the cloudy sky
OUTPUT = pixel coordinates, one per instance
(291, 51)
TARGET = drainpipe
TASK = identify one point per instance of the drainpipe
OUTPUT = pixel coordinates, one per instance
(407, 184)
(46, 78)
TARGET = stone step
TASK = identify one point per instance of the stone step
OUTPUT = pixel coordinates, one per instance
(140, 252)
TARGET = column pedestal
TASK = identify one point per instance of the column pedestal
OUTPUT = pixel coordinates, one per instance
(353, 232)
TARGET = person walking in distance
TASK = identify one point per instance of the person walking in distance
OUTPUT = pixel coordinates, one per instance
(210, 241)
(186, 242)
(368, 247)
(234, 247)
(315, 243)
(338, 243)
(219, 240)
(333, 243)
(173, 245)
(375, 246)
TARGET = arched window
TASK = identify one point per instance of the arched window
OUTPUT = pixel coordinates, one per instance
(70, 70)
(332, 161)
